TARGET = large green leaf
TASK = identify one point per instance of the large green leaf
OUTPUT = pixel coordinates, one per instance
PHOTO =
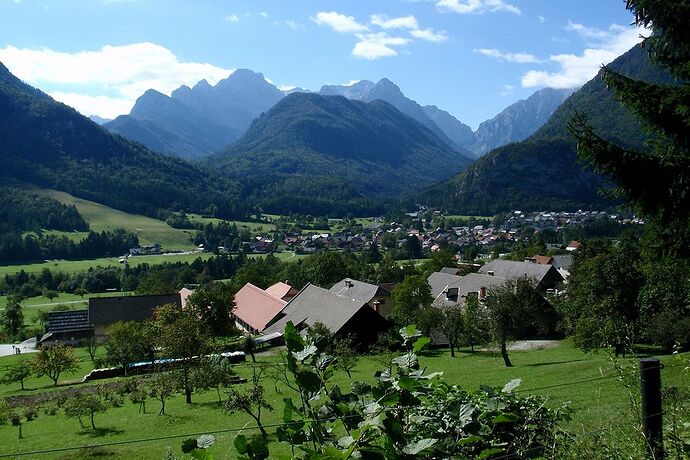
(419, 446)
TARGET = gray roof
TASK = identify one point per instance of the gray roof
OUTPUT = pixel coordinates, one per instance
(438, 282)
(358, 290)
(512, 269)
(563, 261)
(109, 310)
(472, 282)
(450, 270)
(317, 305)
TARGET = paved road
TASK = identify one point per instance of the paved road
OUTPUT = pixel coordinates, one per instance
(26, 346)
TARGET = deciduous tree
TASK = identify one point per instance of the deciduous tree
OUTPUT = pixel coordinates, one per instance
(54, 360)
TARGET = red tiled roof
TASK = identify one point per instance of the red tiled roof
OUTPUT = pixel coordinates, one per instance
(279, 290)
(256, 307)
(543, 260)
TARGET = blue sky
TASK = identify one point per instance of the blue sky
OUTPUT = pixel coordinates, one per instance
(470, 57)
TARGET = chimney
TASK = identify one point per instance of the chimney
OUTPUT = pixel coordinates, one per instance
(348, 283)
(482, 293)
(490, 273)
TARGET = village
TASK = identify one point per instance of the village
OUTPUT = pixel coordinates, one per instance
(433, 230)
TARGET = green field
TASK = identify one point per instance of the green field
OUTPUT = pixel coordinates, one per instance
(148, 230)
(559, 374)
(75, 266)
(253, 227)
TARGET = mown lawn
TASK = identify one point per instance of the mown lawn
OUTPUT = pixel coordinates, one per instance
(559, 374)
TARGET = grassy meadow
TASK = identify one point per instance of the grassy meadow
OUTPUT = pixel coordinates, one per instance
(561, 374)
(148, 230)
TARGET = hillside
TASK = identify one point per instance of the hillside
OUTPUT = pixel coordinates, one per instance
(331, 155)
(49, 144)
(387, 91)
(194, 122)
(543, 171)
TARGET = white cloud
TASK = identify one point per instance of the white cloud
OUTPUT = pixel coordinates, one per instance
(429, 35)
(377, 45)
(576, 70)
(291, 24)
(403, 22)
(339, 22)
(542, 19)
(232, 18)
(520, 58)
(263, 14)
(588, 32)
(477, 6)
(123, 73)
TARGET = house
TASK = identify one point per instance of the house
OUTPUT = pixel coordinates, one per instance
(254, 307)
(343, 316)
(573, 246)
(377, 297)
(282, 291)
(67, 327)
(545, 276)
(451, 270)
(453, 290)
(102, 312)
(542, 260)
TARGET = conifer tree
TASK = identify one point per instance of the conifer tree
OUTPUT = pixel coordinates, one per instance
(656, 181)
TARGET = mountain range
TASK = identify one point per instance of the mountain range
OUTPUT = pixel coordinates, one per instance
(192, 123)
(333, 155)
(543, 171)
(195, 122)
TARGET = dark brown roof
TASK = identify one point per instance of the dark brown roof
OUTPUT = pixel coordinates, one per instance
(109, 310)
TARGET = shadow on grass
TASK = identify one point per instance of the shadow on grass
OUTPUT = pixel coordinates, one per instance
(102, 431)
(567, 361)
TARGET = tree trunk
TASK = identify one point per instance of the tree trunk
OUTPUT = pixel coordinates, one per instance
(187, 386)
(504, 353)
(21, 436)
(452, 350)
(162, 411)
(253, 357)
(21, 382)
(93, 425)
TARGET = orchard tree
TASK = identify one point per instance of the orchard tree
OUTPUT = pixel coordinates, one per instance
(213, 302)
(128, 342)
(411, 296)
(511, 309)
(251, 401)
(161, 387)
(13, 317)
(180, 335)
(54, 360)
(453, 325)
(85, 405)
(475, 318)
(50, 294)
(18, 373)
